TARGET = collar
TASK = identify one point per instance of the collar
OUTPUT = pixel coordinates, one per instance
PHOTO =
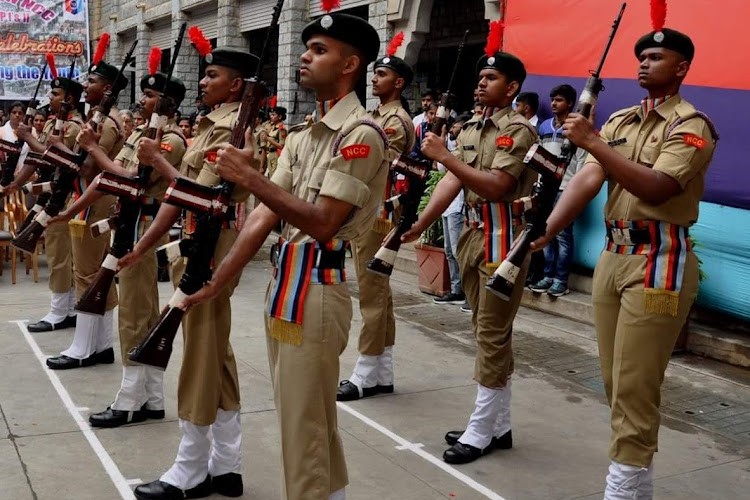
(341, 110)
(386, 108)
(222, 111)
(499, 114)
(664, 106)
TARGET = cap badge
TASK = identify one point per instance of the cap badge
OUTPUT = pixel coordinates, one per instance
(209, 58)
(151, 80)
(93, 68)
(386, 60)
(326, 21)
(56, 83)
(491, 60)
(659, 37)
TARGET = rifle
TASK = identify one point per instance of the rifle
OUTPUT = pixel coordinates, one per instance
(13, 149)
(129, 191)
(551, 169)
(417, 171)
(210, 205)
(68, 166)
(44, 186)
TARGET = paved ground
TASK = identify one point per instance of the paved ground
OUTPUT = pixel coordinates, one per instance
(393, 443)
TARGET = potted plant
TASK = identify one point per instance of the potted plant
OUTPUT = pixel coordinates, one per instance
(434, 277)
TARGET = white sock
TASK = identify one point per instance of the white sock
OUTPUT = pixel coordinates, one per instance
(226, 453)
(385, 367)
(154, 388)
(105, 337)
(132, 393)
(58, 309)
(629, 482)
(365, 372)
(190, 467)
(84, 338)
(481, 425)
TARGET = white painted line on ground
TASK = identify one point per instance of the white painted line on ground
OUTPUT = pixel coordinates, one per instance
(133, 482)
(109, 465)
(81, 409)
(417, 450)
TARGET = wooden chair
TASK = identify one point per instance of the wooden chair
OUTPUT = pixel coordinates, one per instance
(14, 210)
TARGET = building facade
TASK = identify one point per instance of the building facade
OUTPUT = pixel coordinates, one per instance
(432, 29)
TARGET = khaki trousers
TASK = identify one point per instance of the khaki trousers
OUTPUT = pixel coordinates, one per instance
(375, 298)
(491, 317)
(634, 349)
(208, 376)
(139, 303)
(305, 379)
(89, 252)
(57, 247)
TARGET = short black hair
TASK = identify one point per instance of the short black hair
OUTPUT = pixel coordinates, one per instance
(463, 117)
(565, 91)
(430, 93)
(530, 98)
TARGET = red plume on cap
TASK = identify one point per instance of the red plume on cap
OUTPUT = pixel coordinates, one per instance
(199, 41)
(329, 5)
(101, 48)
(658, 14)
(274, 102)
(154, 59)
(395, 44)
(494, 38)
(51, 65)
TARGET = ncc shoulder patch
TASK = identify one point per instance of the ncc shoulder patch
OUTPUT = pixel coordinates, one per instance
(389, 131)
(695, 141)
(504, 141)
(355, 151)
(165, 146)
(210, 156)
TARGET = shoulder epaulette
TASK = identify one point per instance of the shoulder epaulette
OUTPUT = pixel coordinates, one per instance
(297, 127)
(521, 120)
(352, 127)
(623, 112)
(686, 111)
(408, 129)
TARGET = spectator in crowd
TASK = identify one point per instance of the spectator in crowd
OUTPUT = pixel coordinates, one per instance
(453, 223)
(8, 131)
(138, 119)
(558, 255)
(40, 118)
(527, 104)
(2, 116)
(429, 97)
(186, 126)
(128, 122)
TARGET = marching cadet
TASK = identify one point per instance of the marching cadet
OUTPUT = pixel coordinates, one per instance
(93, 338)
(488, 166)
(327, 187)
(373, 373)
(57, 244)
(141, 393)
(208, 395)
(274, 136)
(655, 156)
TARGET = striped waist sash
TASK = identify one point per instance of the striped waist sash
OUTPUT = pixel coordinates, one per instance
(296, 266)
(496, 221)
(665, 246)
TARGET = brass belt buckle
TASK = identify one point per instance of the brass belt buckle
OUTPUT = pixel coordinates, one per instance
(621, 237)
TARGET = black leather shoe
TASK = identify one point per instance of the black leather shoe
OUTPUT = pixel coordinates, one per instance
(504, 442)
(116, 418)
(45, 326)
(63, 362)
(152, 414)
(347, 391)
(384, 389)
(105, 357)
(159, 490)
(461, 453)
(229, 485)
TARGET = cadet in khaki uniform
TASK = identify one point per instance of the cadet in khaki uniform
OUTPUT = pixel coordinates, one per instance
(208, 395)
(141, 393)
(274, 136)
(488, 165)
(373, 372)
(93, 338)
(327, 187)
(57, 245)
(655, 157)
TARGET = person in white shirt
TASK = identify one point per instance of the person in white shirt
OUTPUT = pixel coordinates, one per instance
(429, 97)
(8, 131)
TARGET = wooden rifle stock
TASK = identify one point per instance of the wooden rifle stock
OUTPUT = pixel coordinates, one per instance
(552, 170)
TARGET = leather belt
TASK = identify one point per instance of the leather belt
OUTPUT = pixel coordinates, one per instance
(150, 210)
(324, 259)
(629, 237)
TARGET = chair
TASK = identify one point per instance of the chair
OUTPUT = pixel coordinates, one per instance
(14, 211)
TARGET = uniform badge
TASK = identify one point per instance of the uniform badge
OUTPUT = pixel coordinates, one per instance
(355, 151)
(209, 58)
(210, 156)
(469, 147)
(93, 68)
(386, 60)
(326, 21)
(56, 83)
(389, 131)
(504, 142)
(695, 141)
(658, 37)
(491, 61)
(617, 142)
(151, 80)
(165, 146)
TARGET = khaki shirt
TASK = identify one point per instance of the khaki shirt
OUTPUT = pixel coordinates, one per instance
(501, 144)
(274, 132)
(354, 173)
(199, 161)
(173, 148)
(71, 130)
(684, 154)
(397, 125)
(111, 140)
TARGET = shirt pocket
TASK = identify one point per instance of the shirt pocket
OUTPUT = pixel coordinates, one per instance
(315, 182)
(470, 157)
(648, 155)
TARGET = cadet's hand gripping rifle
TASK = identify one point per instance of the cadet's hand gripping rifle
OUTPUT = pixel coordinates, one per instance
(210, 212)
(551, 170)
